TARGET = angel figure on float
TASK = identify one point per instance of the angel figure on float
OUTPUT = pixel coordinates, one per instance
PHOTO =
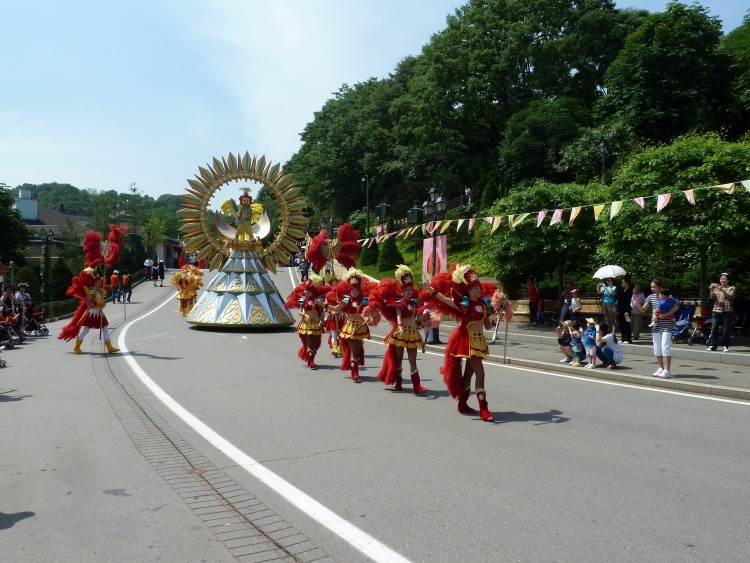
(252, 222)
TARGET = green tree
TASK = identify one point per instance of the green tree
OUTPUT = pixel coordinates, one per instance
(683, 242)
(551, 253)
(389, 256)
(736, 45)
(670, 77)
(15, 236)
(61, 276)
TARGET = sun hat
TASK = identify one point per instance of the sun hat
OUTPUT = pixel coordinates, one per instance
(590, 320)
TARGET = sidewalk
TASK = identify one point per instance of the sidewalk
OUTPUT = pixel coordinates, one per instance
(694, 369)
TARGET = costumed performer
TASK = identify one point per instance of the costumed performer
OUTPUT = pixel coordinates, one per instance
(308, 296)
(89, 287)
(353, 294)
(459, 293)
(186, 281)
(321, 252)
(394, 298)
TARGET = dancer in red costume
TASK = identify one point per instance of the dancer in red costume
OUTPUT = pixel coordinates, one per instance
(333, 324)
(395, 300)
(309, 298)
(465, 304)
(353, 294)
(89, 287)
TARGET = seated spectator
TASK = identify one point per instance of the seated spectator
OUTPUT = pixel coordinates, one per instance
(607, 348)
(564, 341)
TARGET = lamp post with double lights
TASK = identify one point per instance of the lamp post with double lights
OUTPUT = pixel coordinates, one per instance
(435, 204)
(382, 210)
(414, 217)
(47, 237)
(365, 184)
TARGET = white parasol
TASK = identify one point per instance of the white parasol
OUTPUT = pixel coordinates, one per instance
(609, 271)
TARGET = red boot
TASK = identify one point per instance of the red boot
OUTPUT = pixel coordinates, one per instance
(416, 383)
(355, 370)
(484, 412)
(463, 407)
(311, 359)
(399, 380)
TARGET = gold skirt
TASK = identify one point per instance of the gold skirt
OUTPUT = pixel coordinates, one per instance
(410, 337)
(308, 327)
(354, 329)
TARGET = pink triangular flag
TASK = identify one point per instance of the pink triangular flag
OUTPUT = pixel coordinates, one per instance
(471, 223)
(540, 217)
(639, 201)
(556, 216)
(661, 201)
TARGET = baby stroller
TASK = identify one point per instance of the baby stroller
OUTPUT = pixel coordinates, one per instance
(682, 319)
(36, 323)
(701, 330)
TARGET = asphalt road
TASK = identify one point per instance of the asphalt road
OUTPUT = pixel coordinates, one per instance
(571, 470)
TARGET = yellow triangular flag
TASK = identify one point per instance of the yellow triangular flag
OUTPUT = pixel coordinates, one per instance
(446, 224)
(615, 209)
(496, 223)
(690, 195)
(573, 214)
(519, 218)
(424, 229)
(726, 188)
(460, 222)
(510, 223)
(598, 208)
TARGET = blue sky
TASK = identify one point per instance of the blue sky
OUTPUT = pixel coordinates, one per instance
(101, 94)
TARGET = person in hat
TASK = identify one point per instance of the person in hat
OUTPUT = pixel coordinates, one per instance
(395, 299)
(309, 297)
(353, 296)
(187, 281)
(114, 281)
(589, 342)
(90, 289)
(459, 293)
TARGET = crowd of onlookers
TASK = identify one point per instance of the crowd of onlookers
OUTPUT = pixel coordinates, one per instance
(15, 315)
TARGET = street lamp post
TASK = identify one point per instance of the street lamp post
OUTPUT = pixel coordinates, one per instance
(603, 151)
(366, 188)
(414, 217)
(382, 209)
(435, 204)
(11, 266)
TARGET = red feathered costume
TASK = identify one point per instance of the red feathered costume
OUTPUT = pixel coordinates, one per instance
(459, 294)
(394, 299)
(344, 248)
(89, 287)
(308, 297)
(352, 294)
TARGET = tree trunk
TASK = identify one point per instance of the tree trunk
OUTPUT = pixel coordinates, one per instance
(703, 284)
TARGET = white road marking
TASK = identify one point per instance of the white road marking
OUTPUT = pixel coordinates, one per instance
(616, 383)
(345, 530)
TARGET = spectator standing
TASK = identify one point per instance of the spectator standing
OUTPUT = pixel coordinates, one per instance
(636, 318)
(723, 295)
(575, 304)
(148, 265)
(589, 342)
(567, 297)
(23, 301)
(304, 269)
(126, 286)
(576, 344)
(624, 297)
(609, 299)
(160, 271)
(114, 281)
(661, 331)
(533, 300)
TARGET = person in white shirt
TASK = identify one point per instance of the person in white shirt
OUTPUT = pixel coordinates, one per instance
(607, 348)
(148, 265)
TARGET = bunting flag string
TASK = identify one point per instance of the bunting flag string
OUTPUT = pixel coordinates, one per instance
(515, 219)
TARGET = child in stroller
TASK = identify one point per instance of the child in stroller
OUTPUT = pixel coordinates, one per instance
(701, 330)
(682, 319)
(35, 322)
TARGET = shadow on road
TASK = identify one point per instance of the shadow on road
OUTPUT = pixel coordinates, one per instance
(7, 398)
(8, 520)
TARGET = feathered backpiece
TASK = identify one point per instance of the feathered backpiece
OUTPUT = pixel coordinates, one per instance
(344, 248)
(115, 244)
(386, 292)
(92, 249)
(348, 246)
(315, 248)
